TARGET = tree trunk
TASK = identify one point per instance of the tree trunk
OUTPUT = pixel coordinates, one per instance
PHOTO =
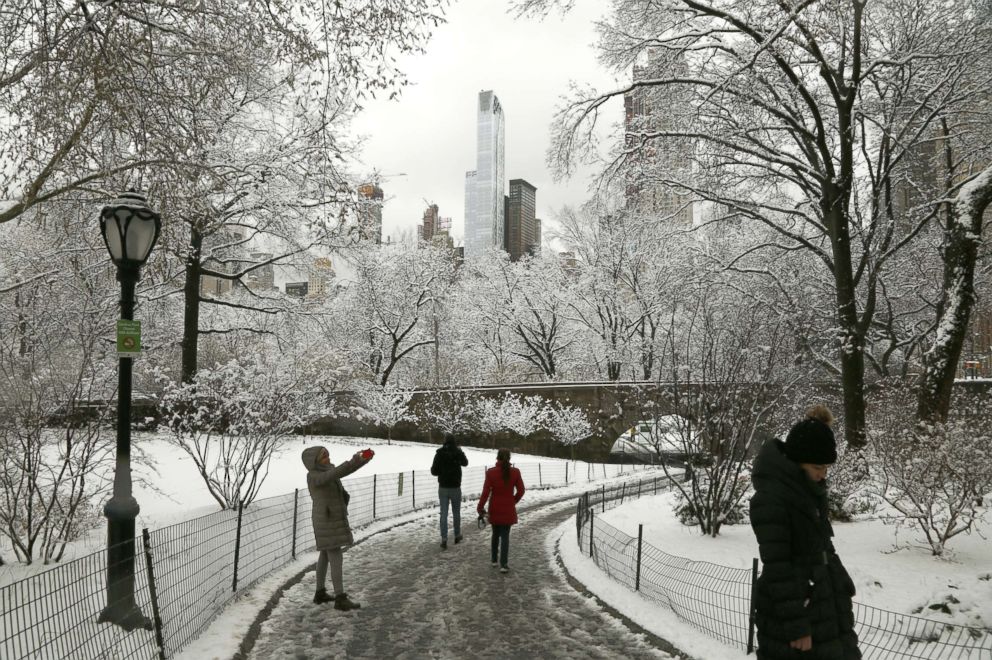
(961, 239)
(191, 307)
(852, 344)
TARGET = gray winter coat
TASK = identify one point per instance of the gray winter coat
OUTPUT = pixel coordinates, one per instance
(330, 500)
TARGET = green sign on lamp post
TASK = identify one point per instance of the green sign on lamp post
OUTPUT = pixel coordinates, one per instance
(128, 338)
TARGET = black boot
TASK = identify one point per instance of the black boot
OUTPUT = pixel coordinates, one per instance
(321, 596)
(342, 602)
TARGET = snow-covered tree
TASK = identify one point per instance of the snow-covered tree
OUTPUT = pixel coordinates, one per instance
(233, 418)
(802, 119)
(384, 405)
(57, 383)
(568, 425)
(385, 314)
(522, 415)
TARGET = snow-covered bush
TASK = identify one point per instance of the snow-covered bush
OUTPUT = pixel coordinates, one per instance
(510, 412)
(233, 418)
(568, 425)
(383, 405)
(449, 411)
(934, 477)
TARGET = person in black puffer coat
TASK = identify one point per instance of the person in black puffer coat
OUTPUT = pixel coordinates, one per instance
(803, 597)
(447, 467)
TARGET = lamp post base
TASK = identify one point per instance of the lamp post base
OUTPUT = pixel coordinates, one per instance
(127, 616)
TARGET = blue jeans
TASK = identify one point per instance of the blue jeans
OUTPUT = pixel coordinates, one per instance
(452, 496)
(501, 541)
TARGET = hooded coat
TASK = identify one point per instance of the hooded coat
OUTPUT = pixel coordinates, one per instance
(803, 588)
(330, 500)
(504, 494)
(447, 466)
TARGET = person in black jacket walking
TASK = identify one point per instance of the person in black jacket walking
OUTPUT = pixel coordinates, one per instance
(447, 467)
(803, 597)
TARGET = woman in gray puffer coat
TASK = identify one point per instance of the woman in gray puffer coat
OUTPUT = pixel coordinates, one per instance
(330, 520)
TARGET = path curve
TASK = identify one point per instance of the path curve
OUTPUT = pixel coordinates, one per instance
(419, 601)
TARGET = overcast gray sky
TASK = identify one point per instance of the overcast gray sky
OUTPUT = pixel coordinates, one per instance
(429, 132)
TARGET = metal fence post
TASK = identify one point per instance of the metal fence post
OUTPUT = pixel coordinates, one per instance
(623, 491)
(750, 618)
(413, 488)
(566, 474)
(540, 482)
(237, 549)
(639, 482)
(591, 517)
(640, 540)
(156, 615)
(373, 495)
(604, 497)
(588, 471)
(296, 504)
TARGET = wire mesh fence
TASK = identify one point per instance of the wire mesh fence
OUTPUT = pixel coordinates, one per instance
(198, 566)
(716, 599)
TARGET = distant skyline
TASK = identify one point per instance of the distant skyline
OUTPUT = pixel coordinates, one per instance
(429, 133)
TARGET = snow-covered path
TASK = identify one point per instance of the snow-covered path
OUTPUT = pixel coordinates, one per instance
(419, 601)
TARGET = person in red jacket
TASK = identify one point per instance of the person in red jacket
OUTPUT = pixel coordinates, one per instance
(505, 486)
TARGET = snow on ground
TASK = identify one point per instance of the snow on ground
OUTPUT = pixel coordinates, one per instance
(901, 580)
(169, 489)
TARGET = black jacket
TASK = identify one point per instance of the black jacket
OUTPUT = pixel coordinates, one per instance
(447, 466)
(803, 588)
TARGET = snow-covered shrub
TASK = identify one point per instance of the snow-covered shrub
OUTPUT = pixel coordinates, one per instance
(849, 493)
(232, 419)
(449, 411)
(510, 412)
(383, 405)
(568, 425)
(934, 477)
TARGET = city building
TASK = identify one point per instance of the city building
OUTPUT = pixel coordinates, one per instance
(429, 225)
(535, 248)
(369, 214)
(320, 278)
(221, 252)
(263, 278)
(650, 110)
(485, 186)
(522, 234)
(297, 289)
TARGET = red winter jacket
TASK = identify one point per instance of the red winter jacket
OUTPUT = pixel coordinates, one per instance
(503, 506)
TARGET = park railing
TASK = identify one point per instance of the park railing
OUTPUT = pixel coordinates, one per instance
(717, 600)
(187, 573)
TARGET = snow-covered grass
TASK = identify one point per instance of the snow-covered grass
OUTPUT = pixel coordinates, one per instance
(890, 571)
(169, 489)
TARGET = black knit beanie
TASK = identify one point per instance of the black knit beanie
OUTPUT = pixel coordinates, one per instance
(811, 441)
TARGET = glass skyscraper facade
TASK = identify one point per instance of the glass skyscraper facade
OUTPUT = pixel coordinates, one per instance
(484, 187)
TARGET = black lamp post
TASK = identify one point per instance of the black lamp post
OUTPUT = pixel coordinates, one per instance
(130, 230)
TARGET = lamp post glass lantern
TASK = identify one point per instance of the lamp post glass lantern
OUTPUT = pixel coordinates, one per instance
(130, 229)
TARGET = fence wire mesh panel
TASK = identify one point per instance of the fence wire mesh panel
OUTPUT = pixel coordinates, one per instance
(194, 570)
(266, 538)
(884, 635)
(53, 615)
(717, 599)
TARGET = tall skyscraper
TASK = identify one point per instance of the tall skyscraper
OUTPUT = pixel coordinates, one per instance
(370, 212)
(648, 110)
(521, 222)
(484, 204)
(427, 228)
